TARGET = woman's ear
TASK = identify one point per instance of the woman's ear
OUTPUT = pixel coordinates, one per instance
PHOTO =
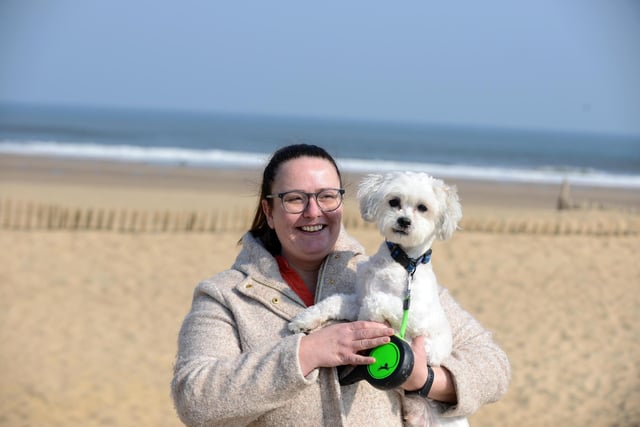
(266, 209)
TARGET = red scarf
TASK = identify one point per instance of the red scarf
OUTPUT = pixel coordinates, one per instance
(294, 281)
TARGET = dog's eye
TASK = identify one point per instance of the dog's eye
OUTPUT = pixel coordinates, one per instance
(394, 203)
(423, 208)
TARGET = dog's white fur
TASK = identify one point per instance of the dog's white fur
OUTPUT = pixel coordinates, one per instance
(411, 209)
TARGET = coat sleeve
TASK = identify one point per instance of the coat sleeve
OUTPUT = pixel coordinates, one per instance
(479, 367)
(217, 382)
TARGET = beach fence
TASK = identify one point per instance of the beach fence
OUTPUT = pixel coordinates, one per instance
(18, 215)
(24, 216)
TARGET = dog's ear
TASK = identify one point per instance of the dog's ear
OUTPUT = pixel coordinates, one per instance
(368, 196)
(451, 209)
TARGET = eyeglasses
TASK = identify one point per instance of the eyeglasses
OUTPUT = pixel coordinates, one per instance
(297, 201)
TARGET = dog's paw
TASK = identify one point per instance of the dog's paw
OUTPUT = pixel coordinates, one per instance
(297, 328)
(303, 323)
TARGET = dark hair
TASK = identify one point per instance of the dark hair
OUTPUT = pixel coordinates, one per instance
(260, 228)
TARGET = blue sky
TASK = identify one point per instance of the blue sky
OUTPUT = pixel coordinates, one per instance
(545, 64)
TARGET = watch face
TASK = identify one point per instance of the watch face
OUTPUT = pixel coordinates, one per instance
(387, 359)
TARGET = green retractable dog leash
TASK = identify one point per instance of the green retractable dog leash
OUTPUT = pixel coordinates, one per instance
(394, 360)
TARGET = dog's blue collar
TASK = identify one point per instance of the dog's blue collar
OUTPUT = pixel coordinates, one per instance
(401, 257)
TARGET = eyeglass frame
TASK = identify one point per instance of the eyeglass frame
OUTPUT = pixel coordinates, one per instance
(340, 191)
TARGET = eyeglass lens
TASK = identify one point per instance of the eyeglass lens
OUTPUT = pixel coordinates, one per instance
(296, 202)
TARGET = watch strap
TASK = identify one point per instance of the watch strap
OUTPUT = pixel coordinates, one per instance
(426, 388)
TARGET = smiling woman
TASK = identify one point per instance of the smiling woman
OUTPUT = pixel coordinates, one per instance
(308, 234)
(285, 177)
(296, 253)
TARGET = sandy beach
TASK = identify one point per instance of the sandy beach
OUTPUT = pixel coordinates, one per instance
(89, 317)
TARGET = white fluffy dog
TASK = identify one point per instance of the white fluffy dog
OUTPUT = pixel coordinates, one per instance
(411, 210)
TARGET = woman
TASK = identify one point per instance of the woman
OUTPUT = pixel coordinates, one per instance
(238, 363)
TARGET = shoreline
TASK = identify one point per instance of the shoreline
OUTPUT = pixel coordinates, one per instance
(108, 183)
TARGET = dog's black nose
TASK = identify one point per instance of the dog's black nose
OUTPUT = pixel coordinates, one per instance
(404, 222)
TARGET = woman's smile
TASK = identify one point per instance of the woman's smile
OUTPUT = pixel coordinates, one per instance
(312, 228)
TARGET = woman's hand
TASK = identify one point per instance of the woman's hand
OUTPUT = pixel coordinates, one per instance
(419, 374)
(443, 388)
(340, 344)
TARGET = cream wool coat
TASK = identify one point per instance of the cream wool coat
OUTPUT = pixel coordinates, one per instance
(237, 362)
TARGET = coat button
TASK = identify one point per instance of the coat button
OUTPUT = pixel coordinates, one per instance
(333, 282)
(275, 300)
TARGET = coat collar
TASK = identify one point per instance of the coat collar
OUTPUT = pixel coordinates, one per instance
(260, 267)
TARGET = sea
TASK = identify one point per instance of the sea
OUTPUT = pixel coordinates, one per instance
(219, 140)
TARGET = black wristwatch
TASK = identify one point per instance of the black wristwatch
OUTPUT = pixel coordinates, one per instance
(426, 388)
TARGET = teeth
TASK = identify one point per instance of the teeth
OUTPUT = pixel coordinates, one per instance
(312, 228)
